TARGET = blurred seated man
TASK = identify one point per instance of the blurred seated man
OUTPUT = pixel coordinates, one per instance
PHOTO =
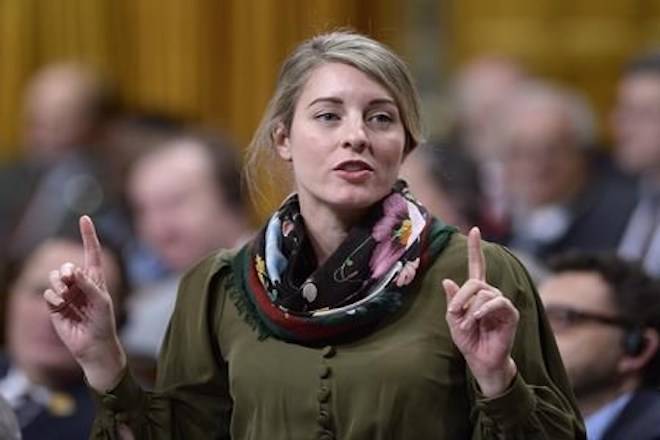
(560, 199)
(605, 314)
(58, 177)
(126, 137)
(38, 376)
(186, 199)
(636, 128)
(446, 181)
(483, 88)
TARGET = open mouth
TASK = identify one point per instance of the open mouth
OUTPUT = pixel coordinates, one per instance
(354, 171)
(353, 166)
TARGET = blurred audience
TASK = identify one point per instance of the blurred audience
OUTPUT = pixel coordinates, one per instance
(58, 177)
(446, 181)
(560, 199)
(127, 137)
(186, 199)
(38, 376)
(128, 134)
(636, 127)
(605, 314)
(483, 89)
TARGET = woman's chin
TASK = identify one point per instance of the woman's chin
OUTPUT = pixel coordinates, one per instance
(358, 200)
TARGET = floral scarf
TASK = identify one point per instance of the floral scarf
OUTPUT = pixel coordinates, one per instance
(287, 295)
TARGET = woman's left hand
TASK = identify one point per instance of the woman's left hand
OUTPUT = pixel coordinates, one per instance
(482, 323)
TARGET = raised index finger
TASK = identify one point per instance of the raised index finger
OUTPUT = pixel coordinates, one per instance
(91, 245)
(476, 259)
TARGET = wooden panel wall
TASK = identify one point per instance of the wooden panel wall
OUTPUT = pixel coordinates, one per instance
(209, 60)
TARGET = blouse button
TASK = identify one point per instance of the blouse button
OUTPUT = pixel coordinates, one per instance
(324, 371)
(329, 351)
(324, 394)
(324, 418)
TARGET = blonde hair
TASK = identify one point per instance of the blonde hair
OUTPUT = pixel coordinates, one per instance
(365, 54)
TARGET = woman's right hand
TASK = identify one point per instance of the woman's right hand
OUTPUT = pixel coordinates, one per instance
(83, 316)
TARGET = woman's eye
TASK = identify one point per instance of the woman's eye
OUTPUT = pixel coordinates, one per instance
(327, 117)
(381, 119)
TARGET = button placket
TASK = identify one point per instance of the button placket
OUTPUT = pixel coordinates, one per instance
(324, 394)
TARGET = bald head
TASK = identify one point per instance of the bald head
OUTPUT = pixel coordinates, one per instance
(63, 104)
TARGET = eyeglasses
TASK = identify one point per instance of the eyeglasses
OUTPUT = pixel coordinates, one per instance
(562, 318)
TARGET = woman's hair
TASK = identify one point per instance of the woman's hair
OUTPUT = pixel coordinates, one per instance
(365, 54)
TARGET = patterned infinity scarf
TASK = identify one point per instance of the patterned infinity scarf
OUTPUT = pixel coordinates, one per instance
(287, 295)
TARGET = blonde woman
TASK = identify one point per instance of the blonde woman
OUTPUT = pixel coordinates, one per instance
(353, 314)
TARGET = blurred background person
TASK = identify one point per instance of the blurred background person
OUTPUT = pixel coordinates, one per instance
(129, 136)
(58, 177)
(186, 199)
(482, 90)
(446, 180)
(38, 376)
(560, 198)
(605, 314)
(636, 128)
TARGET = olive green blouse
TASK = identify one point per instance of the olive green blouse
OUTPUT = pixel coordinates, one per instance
(404, 380)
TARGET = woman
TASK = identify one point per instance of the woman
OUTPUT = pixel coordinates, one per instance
(330, 323)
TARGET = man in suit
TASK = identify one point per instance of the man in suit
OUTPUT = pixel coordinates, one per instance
(38, 376)
(606, 317)
(563, 197)
(636, 129)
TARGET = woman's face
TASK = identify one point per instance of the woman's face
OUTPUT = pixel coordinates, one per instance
(346, 140)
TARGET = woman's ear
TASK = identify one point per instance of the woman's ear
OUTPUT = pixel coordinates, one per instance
(281, 140)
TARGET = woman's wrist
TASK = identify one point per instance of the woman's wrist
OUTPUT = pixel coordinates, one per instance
(104, 372)
(496, 382)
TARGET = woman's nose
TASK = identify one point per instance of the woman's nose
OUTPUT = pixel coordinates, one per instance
(355, 136)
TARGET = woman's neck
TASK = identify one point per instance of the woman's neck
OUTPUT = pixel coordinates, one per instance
(326, 228)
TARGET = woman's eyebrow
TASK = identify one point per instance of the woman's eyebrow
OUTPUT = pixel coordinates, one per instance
(330, 99)
(336, 100)
(382, 101)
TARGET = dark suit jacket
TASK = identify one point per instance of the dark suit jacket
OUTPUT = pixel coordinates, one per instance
(49, 426)
(599, 216)
(639, 420)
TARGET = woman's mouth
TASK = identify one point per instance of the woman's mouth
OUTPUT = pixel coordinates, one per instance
(354, 171)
